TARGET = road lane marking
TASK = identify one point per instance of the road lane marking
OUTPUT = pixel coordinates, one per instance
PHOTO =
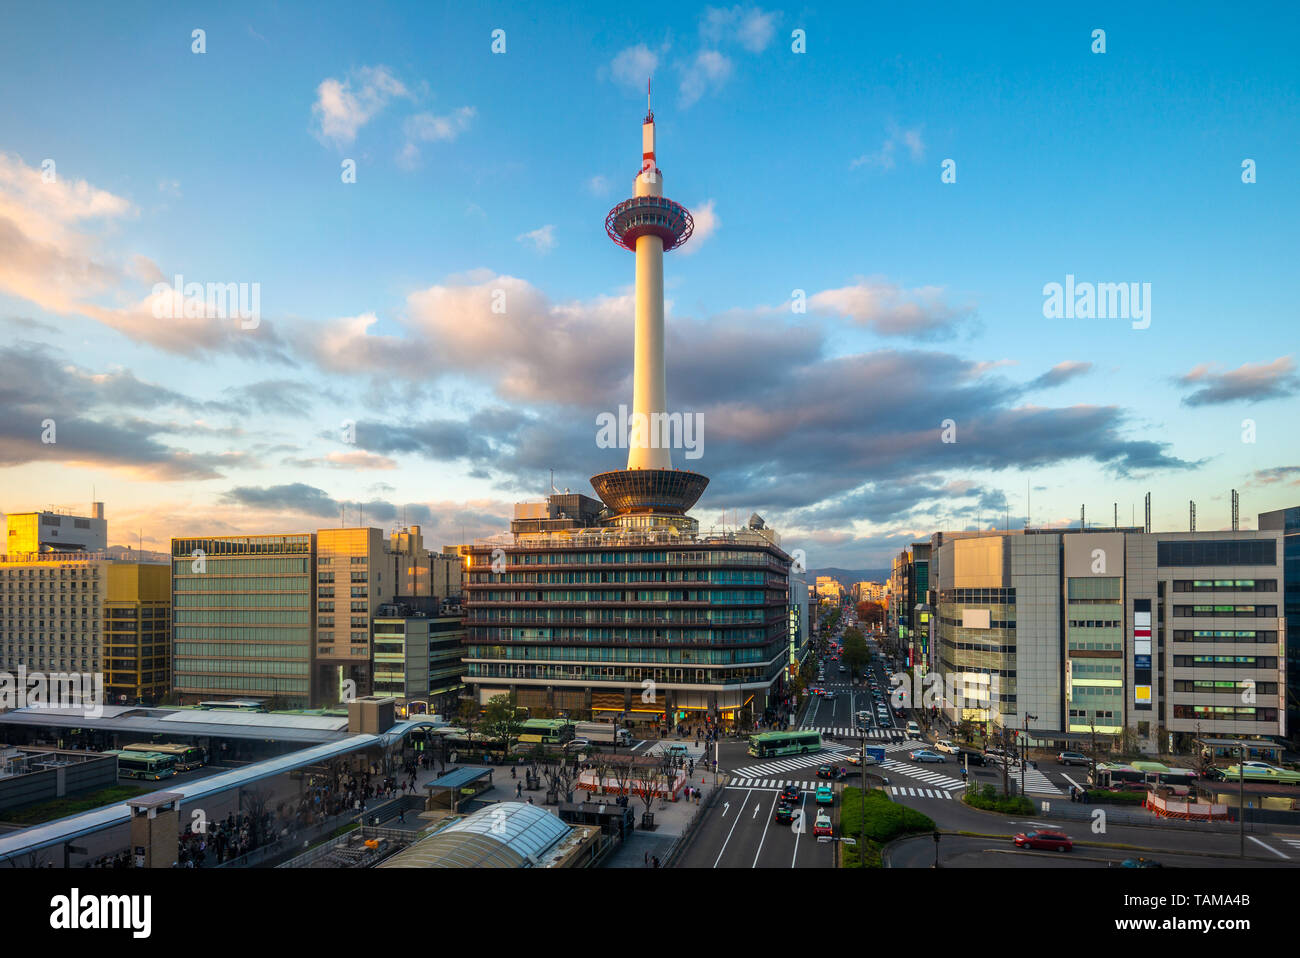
(1269, 847)
(733, 828)
(1070, 780)
(802, 818)
(762, 838)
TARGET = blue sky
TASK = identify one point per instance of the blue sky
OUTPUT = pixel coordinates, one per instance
(815, 171)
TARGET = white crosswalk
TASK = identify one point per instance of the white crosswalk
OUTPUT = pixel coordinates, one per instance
(1036, 781)
(845, 732)
(937, 779)
(693, 751)
(774, 783)
(827, 754)
(903, 791)
(1292, 840)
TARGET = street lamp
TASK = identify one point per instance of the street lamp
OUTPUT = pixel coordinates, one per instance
(1024, 758)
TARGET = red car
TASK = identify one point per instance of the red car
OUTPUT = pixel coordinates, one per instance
(1050, 841)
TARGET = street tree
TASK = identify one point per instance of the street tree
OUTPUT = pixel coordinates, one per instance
(501, 720)
(856, 653)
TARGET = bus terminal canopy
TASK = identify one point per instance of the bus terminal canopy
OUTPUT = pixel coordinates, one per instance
(1231, 748)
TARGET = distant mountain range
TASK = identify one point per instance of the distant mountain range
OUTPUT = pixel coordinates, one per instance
(847, 577)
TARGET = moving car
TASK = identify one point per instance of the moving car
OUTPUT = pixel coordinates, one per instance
(969, 756)
(822, 825)
(945, 745)
(1052, 841)
(1140, 863)
(825, 796)
(1073, 758)
(826, 771)
(784, 813)
(997, 755)
(925, 755)
(790, 794)
(576, 745)
(913, 730)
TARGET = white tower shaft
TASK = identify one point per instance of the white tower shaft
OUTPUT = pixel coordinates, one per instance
(649, 389)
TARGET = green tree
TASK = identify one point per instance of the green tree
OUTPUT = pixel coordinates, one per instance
(856, 653)
(501, 720)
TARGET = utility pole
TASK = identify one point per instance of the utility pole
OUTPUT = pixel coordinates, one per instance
(1024, 759)
(1241, 796)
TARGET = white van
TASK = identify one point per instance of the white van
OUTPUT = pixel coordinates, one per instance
(913, 730)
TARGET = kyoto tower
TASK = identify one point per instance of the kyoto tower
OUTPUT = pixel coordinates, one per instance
(650, 493)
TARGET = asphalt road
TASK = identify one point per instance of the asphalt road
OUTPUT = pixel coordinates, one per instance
(741, 831)
(962, 851)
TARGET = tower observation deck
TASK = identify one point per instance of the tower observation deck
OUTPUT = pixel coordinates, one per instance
(650, 492)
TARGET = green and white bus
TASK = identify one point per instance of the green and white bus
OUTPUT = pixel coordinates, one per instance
(188, 757)
(546, 731)
(768, 744)
(152, 766)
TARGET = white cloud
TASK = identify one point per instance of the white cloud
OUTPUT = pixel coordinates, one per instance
(884, 157)
(706, 224)
(344, 106)
(707, 72)
(634, 65)
(893, 310)
(542, 238)
(752, 27)
(428, 128)
(598, 185)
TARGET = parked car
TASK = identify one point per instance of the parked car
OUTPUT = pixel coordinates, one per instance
(925, 755)
(822, 824)
(1073, 758)
(1058, 841)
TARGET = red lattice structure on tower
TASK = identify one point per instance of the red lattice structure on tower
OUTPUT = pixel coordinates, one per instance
(649, 216)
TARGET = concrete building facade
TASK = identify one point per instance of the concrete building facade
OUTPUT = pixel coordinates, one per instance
(1103, 631)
